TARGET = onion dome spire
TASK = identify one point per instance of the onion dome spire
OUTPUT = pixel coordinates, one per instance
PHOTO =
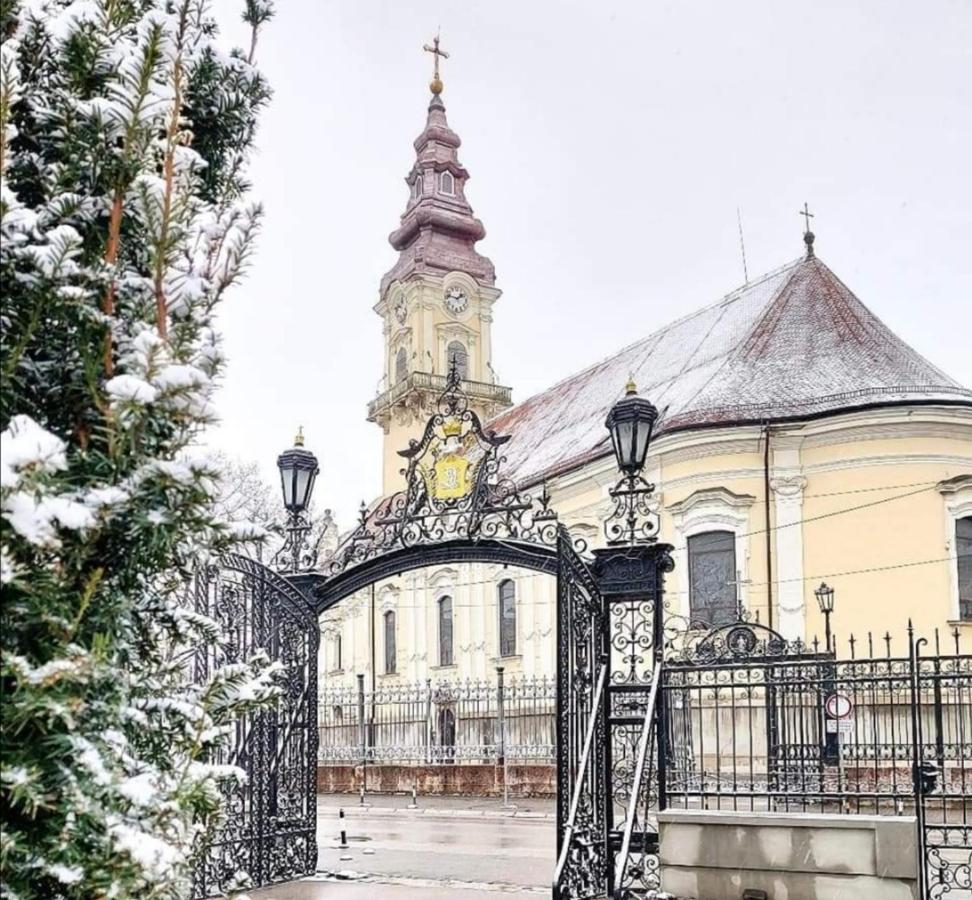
(438, 231)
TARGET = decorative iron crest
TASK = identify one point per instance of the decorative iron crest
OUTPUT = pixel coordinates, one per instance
(455, 489)
(737, 642)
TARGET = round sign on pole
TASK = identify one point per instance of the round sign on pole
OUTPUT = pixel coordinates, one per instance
(839, 706)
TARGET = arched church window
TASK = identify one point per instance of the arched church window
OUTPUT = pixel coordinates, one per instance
(401, 364)
(445, 631)
(712, 577)
(417, 186)
(447, 183)
(458, 357)
(963, 550)
(507, 618)
(391, 652)
(336, 653)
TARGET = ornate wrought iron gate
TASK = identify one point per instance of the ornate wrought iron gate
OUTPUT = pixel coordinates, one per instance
(941, 705)
(271, 819)
(610, 637)
(582, 776)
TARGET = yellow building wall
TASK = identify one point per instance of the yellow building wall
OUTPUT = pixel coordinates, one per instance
(872, 519)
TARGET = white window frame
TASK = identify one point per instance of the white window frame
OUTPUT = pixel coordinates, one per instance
(451, 597)
(712, 509)
(957, 496)
(452, 181)
(499, 619)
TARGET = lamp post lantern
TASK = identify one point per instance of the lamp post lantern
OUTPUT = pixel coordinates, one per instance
(298, 472)
(825, 600)
(631, 422)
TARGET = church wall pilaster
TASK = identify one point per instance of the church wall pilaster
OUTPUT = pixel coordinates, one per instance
(787, 483)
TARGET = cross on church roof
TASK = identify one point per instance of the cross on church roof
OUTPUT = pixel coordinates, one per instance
(807, 234)
(436, 85)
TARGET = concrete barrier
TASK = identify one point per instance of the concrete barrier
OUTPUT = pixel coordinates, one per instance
(710, 855)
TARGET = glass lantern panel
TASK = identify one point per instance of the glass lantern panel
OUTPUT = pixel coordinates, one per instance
(287, 485)
(310, 488)
(302, 479)
(625, 436)
(641, 442)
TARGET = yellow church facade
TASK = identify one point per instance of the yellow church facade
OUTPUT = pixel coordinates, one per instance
(799, 441)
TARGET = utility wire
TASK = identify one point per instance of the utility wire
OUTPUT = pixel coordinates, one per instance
(669, 593)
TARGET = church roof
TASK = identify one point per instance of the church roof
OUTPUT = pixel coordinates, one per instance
(794, 344)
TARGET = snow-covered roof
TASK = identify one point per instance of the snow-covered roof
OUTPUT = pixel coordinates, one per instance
(795, 343)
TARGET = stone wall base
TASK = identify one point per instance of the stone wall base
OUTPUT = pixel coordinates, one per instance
(467, 780)
(788, 856)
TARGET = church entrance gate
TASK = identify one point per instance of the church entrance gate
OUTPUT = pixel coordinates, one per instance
(269, 831)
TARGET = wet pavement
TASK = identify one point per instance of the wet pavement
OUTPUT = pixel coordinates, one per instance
(455, 848)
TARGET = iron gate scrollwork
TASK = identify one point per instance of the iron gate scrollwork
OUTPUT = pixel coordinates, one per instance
(269, 831)
(941, 705)
(582, 793)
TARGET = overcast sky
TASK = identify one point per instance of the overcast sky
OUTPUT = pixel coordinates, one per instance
(609, 145)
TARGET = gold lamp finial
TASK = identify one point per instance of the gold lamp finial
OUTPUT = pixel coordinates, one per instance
(299, 439)
(630, 388)
(436, 84)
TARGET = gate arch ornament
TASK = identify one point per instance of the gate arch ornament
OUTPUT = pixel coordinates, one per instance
(269, 833)
(458, 505)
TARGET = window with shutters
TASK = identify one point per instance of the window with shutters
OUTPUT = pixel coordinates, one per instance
(507, 618)
(401, 364)
(445, 631)
(458, 357)
(391, 652)
(963, 553)
(712, 577)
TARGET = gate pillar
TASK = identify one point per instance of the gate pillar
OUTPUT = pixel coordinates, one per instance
(630, 580)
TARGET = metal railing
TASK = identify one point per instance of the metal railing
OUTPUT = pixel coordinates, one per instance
(439, 722)
(426, 381)
(818, 734)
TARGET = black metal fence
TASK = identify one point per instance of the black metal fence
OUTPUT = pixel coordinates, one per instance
(882, 731)
(429, 722)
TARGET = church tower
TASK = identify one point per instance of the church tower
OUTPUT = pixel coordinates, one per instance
(436, 302)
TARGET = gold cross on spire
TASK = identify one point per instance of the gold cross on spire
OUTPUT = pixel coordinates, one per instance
(436, 84)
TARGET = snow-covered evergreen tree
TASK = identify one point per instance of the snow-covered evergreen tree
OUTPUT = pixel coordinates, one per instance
(124, 135)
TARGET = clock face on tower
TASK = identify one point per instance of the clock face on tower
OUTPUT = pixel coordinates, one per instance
(401, 309)
(456, 300)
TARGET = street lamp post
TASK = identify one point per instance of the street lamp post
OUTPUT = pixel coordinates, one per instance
(825, 600)
(630, 423)
(630, 573)
(298, 472)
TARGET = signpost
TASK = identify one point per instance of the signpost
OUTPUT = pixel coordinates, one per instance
(840, 721)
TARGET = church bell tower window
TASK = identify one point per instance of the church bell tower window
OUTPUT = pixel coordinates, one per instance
(447, 183)
(401, 364)
(458, 357)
